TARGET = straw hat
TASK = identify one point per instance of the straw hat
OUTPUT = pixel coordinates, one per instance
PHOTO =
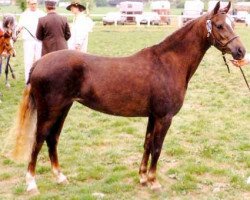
(76, 4)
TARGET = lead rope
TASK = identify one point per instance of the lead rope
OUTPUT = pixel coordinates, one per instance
(225, 61)
(242, 72)
(244, 78)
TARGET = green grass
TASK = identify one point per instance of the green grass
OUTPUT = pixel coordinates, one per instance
(207, 144)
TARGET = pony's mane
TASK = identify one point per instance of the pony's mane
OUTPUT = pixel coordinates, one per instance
(177, 36)
(180, 34)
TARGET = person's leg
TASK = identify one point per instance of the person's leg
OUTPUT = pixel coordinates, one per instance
(84, 46)
(29, 53)
(38, 50)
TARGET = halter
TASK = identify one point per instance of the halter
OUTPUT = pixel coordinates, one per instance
(209, 26)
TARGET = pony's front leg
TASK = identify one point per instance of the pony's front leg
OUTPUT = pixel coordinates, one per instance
(45, 121)
(161, 127)
(143, 171)
(52, 141)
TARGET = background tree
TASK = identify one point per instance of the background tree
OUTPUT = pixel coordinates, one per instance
(22, 4)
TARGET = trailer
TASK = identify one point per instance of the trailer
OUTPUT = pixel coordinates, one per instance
(192, 10)
(163, 10)
(241, 11)
(131, 10)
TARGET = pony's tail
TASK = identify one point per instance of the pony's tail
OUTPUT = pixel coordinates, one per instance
(24, 128)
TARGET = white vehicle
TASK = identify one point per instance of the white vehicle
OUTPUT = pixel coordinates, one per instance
(131, 9)
(247, 21)
(150, 18)
(113, 18)
(192, 10)
(163, 9)
(63, 4)
(5, 2)
(240, 16)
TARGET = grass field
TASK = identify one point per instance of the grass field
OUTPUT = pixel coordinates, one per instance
(206, 154)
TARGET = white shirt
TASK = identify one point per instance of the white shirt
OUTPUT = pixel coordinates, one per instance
(29, 20)
(80, 28)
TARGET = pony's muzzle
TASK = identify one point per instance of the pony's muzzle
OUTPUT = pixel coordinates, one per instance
(238, 53)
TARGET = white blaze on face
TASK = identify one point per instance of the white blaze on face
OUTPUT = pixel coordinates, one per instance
(229, 22)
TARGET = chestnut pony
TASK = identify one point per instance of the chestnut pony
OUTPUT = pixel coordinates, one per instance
(6, 43)
(151, 83)
(7, 35)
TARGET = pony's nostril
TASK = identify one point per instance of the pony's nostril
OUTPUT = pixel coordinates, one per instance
(241, 52)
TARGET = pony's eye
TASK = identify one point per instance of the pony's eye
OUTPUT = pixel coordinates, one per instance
(219, 26)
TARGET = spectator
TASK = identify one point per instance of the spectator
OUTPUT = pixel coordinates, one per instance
(53, 29)
(80, 28)
(28, 23)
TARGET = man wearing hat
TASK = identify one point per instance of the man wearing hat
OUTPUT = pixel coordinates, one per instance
(28, 24)
(80, 28)
(53, 29)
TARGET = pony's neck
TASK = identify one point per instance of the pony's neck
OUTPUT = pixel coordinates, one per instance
(1, 45)
(1, 41)
(188, 45)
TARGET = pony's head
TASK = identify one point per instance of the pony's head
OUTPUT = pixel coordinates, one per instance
(220, 32)
(9, 24)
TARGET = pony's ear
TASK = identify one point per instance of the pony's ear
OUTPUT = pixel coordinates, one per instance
(216, 8)
(226, 9)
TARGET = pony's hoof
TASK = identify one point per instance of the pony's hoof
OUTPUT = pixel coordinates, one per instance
(7, 85)
(33, 191)
(61, 179)
(143, 179)
(31, 184)
(155, 185)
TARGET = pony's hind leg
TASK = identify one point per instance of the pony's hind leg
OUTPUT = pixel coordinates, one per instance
(144, 163)
(161, 127)
(52, 141)
(45, 120)
(43, 128)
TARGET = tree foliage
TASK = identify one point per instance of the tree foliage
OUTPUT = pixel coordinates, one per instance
(22, 4)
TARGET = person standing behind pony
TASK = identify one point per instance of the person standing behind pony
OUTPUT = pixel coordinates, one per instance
(80, 28)
(28, 24)
(53, 29)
